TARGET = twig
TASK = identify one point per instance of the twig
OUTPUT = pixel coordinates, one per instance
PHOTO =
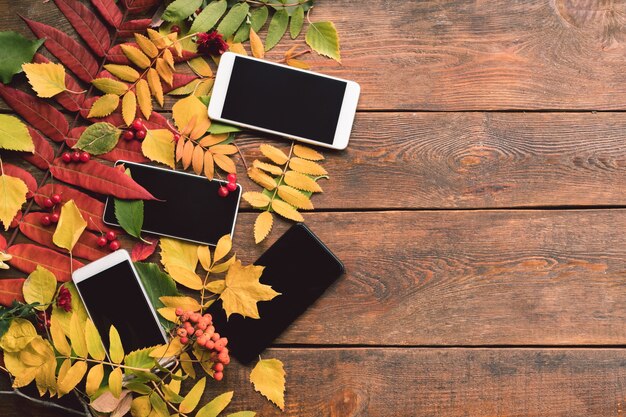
(48, 404)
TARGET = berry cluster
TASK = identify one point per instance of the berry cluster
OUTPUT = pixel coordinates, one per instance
(223, 191)
(136, 130)
(199, 328)
(75, 156)
(50, 202)
(109, 238)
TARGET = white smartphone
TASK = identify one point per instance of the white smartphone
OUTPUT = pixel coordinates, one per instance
(113, 295)
(283, 100)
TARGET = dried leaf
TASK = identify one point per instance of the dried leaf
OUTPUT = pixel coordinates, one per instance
(40, 287)
(71, 225)
(271, 168)
(306, 167)
(46, 79)
(136, 56)
(155, 85)
(301, 182)
(12, 195)
(296, 63)
(129, 107)
(116, 350)
(146, 45)
(143, 97)
(287, 211)
(216, 406)
(294, 197)
(158, 146)
(268, 377)
(123, 72)
(262, 178)
(322, 37)
(257, 200)
(225, 163)
(197, 159)
(307, 153)
(274, 154)
(110, 86)
(98, 138)
(256, 44)
(263, 226)
(243, 290)
(192, 399)
(14, 134)
(104, 106)
(188, 109)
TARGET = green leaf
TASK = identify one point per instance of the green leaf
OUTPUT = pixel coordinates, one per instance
(15, 50)
(158, 405)
(40, 287)
(138, 387)
(297, 19)
(14, 135)
(216, 406)
(218, 128)
(208, 17)
(180, 9)
(157, 284)
(278, 27)
(233, 19)
(139, 359)
(129, 214)
(322, 37)
(98, 138)
(258, 17)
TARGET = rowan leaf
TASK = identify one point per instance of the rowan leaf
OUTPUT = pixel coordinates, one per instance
(188, 109)
(277, 28)
(94, 379)
(301, 182)
(188, 154)
(165, 71)
(158, 146)
(40, 287)
(140, 406)
(71, 378)
(129, 107)
(104, 106)
(155, 86)
(146, 45)
(256, 44)
(305, 152)
(191, 400)
(186, 89)
(271, 168)
(123, 72)
(294, 197)
(208, 17)
(224, 149)
(197, 159)
(263, 226)
(58, 336)
(243, 290)
(20, 333)
(71, 225)
(287, 211)
(93, 340)
(262, 178)
(209, 165)
(115, 382)
(258, 17)
(242, 414)
(14, 134)
(98, 138)
(306, 167)
(200, 66)
(296, 63)
(143, 98)
(14, 51)
(224, 245)
(47, 80)
(167, 350)
(116, 350)
(180, 9)
(268, 378)
(211, 140)
(186, 303)
(169, 58)
(216, 406)
(322, 37)
(77, 336)
(110, 86)
(225, 163)
(233, 19)
(136, 56)
(256, 199)
(274, 154)
(297, 19)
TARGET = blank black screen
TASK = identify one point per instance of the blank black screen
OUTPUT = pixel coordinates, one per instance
(284, 100)
(299, 267)
(191, 208)
(114, 297)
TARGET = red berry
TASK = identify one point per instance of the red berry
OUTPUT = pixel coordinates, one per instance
(66, 157)
(137, 124)
(75, 156)
(208, 317)
(181, 332)
(128, 135)
(201, 340)
(84, 157)
(140, 134)
(54, 218)
(184, 340)
(218, 367)
(115, 245)
(198, 10)
(102, 241)
(176, 137)
(223, 191)
(47, 203)
(45, 220)
(175, 28)
(215, 337)
(199, 333)
(231, 177)
(202, 324)
(209, 344)
(110, 235)
(231, 186)
(225, 360)
(179, 311)
(56, 199)
(218, 376)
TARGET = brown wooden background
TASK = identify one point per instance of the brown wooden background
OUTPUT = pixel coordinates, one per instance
(480, 210)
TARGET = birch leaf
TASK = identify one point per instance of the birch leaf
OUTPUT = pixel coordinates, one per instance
(129, 107)
(263, 226)
(268, 378)
(158, 146)
(40, 287)
(71, 225)
(46, 79)
(123, 72)
(287, 211)
(12, 195)
(243, 290)
(104, 106)
(274, 154)
(14, 134)
(322, 37)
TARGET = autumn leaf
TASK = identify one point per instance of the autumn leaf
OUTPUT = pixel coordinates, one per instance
(305, 166)
(129, 107)
(115, 382)
(71, 378)
(256, 199)
(143, 98)
(146, 45)
(274, 154)
(268, 377)
(12, 195)
(58, 336)
(287, 211)
(104, 106)
(98, 138)
(294, 197)
(301, 182)
(271, 168)
(262, 226)
(216, 406)
(123, 72)
(262, 178)
(158, 146)
(243, 290)
(322, 37)
(20, 333)
(94, 379)
(191, 400)
(224, 245)
(47, 79)
(71, 225)
(77, 336)
(93, 341)
(110, 86)
(136, 56)
(40, 287)
(116, 351)
(14, 134)
(165, 71)
(200, 66)
(155, 85)
(307, 153)
(256, 44)
(191, 109)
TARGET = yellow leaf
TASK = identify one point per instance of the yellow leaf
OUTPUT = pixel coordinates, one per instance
(263, 226)
(129, 107)
(219, 268)
(294, 197)
(186, 303)
(210, 140)
(204, 256)
(301, 182)
(271, 168)
(268, 377)
(216, 406)
(123, 72)
(224, 149)
(77, 336)
(40, 287)
(155, 85)
(159, 40)
(136, 56)
(180, 146)
(143, 97)
(94, 378)
(71, 225)
(225, 163)
(115, 382)
(116, 350)
(193, 397)
(140, 407)
(187, 365)
(216, 287)
(12, 195)
(174, 384)
(146, 45)
(22, 374)
(307, 153)
(46, 378)
(262, 178)
(287, 211)
(243, 290)
(200, 67)
(197, 159)
(191, 108)
(58, 337)
(237, 48)
(73, 376)
(47, 79)
(165, 71)
(296, 63)
(14, 135)
(168, 313)
(188, 154)
(165, 351)
(306, 167)
(256, 44)
(274, 154)
(94, 342)
(167, 56)
(257, 200)
(204, 87)
(110, 86)
(158, 146)
(104, 106)
(177, 252)
(185, 277)
(224, 245)
(209, 168)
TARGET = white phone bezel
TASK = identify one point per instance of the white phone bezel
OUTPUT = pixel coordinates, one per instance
(346, 114)
(239, 190)
(90, 270)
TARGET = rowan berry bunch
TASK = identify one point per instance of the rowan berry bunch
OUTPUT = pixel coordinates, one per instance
(50, 203)
(75, 156)
(136, 130)
(109, 238)
(224, 190)
(197, 328)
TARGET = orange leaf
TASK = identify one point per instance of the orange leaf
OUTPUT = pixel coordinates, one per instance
(165, 71)
(225, 163)
(209, 168)
(197, 159)
(256, 44)
(187, 154)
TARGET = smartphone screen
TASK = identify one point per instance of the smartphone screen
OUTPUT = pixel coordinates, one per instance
(114, 297)
(284, 100)
(188, 206)
(301, 268)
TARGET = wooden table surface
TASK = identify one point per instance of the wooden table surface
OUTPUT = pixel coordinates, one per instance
(480, 210)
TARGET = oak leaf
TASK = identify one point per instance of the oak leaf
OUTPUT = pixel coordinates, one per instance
(71, 225)
(12, 195)
(14, 134)
(243, 290)
(47, 79)
(268, 377)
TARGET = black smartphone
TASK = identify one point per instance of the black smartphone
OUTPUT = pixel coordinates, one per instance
(188, 206)
(301, 268)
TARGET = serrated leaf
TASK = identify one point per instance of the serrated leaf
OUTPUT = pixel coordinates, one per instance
(94, 342)
(186, 303)
(301, 182)
(94, 379)
(225, 163)
(211, 140)
(98, 138)
(46, 79)
(129, 107)
(188, 154)
(164, 71)
(169, 58)
(263, 226)
(129, 215)
(305, 152)
(297, 19)
(155, 85)
(216, 406)
(191, 400)
(294, 197)
(110, 86)
(262, 178)
(208, 17)
(146, 45)
(71, 225)
(209, 165)
(322, 37)
(268, 378)
(256, 44)
(104, 106)
(180, 9)
(123, 72)
(140, 359)
(274, 154)
(164, 351)
(77, 336)
(15, 50)
(136, 56)
(72, 377)
(224, 245)
(287, 211)
(143, 98)
(40, 287)
(14, 134)
(277, 28)
(159, 408)
(115, 382)
(258, 17)
(116, 350)
(243, 290)
(296, 63)
(233, 19)
(186, 89)
(242, 414)
(271, 168)
(200, 67)
(256, 199)
(191, 112)
(158, 146)
(306, 167)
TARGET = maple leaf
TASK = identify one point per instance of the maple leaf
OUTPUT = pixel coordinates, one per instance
(268, 377)
(243, 290)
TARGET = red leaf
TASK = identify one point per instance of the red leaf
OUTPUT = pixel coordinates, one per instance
(109, 10)
(86, 246)
(87, 25)
(22, 174)
(76, 132)
(38, 113)
(70, 101)
(27, 256)
(179, 81)
(143, 250)
(90, 208)
(13, 225)
(44, 153)
(138, 6)
(99, 178)
(187, 55)
(11, 290)
(66, 49)
(128, 29)
(3, 243)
